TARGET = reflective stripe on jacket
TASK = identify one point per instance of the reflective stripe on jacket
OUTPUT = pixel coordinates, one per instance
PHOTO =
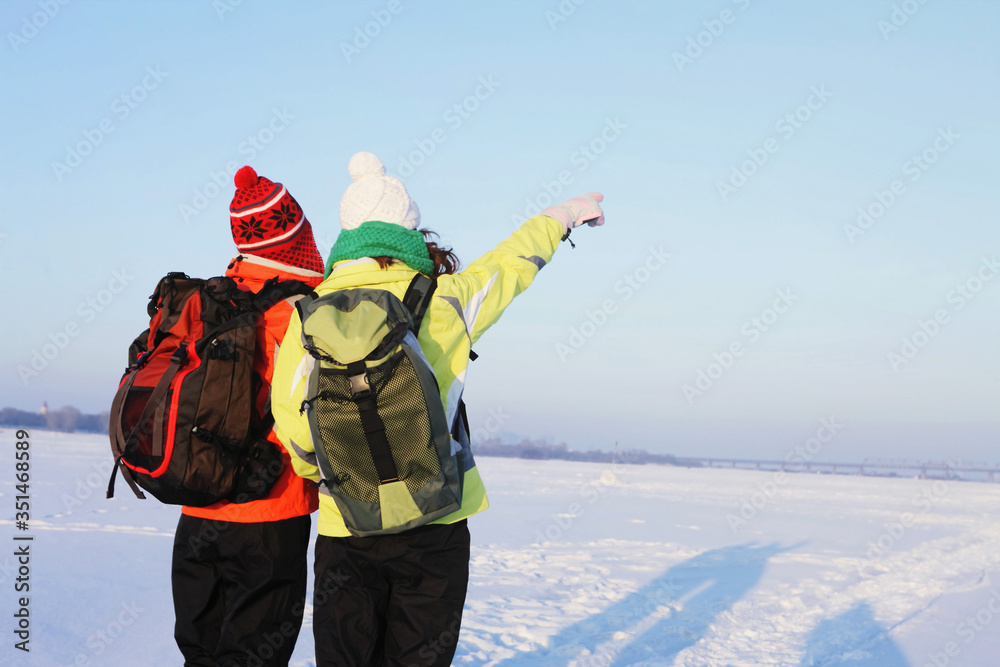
(464, 306)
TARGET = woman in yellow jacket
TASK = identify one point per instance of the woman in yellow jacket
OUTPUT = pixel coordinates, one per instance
(397, 599)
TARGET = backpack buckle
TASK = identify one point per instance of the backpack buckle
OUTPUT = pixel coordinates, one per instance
(358, 377)
(179, 356)
(359, 383)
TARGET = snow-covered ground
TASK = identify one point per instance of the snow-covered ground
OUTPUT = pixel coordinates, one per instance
(575, 564)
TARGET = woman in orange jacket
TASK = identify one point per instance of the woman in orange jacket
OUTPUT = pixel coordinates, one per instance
(239, 570)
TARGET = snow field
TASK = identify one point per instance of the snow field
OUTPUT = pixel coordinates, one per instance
(579, 564)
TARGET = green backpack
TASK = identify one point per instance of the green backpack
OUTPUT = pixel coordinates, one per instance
(374, 408)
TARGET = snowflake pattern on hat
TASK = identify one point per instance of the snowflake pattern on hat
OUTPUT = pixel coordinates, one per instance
(285, 214)
(251, 228)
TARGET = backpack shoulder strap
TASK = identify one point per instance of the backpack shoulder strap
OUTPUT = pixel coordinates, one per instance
(264, 426)
(418, 298)
(275, 290)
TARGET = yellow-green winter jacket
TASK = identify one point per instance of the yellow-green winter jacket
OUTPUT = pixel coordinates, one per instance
(463, 307)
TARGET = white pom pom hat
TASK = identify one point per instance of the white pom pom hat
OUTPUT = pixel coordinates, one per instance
(375, 196)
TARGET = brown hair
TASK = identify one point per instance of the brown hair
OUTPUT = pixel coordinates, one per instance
(445, 259)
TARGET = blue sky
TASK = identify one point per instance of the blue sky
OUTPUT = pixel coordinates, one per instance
(735, 142)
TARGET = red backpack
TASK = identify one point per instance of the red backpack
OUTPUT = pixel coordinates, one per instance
(184, 425)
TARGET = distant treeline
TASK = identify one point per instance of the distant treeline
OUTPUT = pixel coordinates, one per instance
(67, 419)
(541, 450)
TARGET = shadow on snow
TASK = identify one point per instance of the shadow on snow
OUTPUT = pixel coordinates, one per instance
(852, 638)
(669, 614)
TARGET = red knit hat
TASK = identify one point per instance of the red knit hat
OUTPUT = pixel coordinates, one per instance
(268, 222)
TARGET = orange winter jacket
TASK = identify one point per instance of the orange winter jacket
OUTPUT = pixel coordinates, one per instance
(291, 496)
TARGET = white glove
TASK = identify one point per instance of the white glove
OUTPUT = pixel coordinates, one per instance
(578, 210)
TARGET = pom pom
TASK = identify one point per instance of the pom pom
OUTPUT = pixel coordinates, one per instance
(246, 177)
(365, 164)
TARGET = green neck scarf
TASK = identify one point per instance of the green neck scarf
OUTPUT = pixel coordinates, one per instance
(376, 239)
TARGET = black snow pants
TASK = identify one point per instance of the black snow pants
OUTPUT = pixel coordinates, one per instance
(392, 600)
(239, 590)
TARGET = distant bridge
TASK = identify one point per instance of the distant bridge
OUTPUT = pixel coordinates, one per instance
(922, 470)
